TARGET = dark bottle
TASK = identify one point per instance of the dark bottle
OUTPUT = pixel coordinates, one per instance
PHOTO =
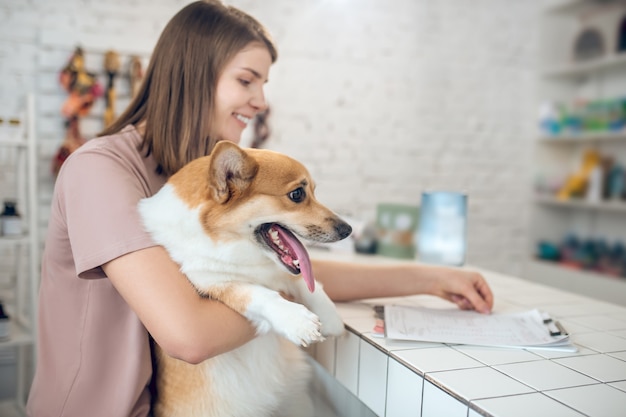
(4, 324)
(10, 219)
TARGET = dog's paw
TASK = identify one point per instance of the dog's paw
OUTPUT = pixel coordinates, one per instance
(300, 325)
(332, 324)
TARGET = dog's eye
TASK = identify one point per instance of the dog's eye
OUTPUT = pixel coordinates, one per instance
(297, 195)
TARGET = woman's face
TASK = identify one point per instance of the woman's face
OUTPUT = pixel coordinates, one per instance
(240, 91)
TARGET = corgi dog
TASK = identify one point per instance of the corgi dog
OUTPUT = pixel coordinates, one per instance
(230, 220)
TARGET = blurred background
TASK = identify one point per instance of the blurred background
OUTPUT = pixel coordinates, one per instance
(517, 105)
(382, 101)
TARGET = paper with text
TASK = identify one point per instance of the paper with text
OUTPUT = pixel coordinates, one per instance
(525, 329)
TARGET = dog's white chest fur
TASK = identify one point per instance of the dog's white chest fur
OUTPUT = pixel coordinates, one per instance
(177, 227)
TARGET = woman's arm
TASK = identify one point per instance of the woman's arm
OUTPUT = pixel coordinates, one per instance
(350, 281)
(184, 325)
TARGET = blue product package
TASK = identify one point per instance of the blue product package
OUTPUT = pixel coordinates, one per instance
(442, 228)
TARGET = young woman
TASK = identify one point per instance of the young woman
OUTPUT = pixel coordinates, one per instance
(106, 286)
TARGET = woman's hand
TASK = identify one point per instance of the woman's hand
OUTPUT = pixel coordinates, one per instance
(467, 289)
(344, 281)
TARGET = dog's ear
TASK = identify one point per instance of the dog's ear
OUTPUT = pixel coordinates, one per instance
(231, 171)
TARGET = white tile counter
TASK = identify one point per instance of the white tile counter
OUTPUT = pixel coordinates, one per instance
(402, 379)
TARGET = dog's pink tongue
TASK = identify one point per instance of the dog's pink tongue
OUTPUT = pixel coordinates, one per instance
(301, 255)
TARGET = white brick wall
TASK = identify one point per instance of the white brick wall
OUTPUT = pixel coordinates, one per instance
(381, 100)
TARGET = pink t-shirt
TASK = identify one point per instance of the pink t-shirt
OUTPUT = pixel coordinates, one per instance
(93, 352)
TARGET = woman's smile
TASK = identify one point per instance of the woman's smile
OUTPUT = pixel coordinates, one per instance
(240, 94)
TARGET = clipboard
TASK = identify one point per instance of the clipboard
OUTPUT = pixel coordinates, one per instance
(530, 329)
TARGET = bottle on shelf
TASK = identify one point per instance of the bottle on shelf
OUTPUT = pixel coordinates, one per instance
(10, 219)
(4, 324)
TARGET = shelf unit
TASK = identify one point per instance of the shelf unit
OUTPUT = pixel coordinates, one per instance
(604, 287)
(565, 80)
(607, 206)
(587, 68)
(585, 138)
(20, 285)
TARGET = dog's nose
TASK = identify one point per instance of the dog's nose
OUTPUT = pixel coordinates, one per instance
(343, 229)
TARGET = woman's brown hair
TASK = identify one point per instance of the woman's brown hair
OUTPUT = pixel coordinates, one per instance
(176, 98)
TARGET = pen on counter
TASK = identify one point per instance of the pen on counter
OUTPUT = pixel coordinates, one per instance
(562, 330)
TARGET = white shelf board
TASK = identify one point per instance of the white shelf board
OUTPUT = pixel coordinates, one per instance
(562, 139)
(606, 206)
(592, 284)
(569, 6)
(12, 240)
(10, 408)
(587, 67)
(13, 142)
(18, 336)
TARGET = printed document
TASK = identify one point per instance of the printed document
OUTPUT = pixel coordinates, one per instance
(528, 329)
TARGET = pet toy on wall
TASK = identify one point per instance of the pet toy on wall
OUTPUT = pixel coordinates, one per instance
(621, 36)
(111, 67)
(261, 129)
(83, 89)
(135, 75)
